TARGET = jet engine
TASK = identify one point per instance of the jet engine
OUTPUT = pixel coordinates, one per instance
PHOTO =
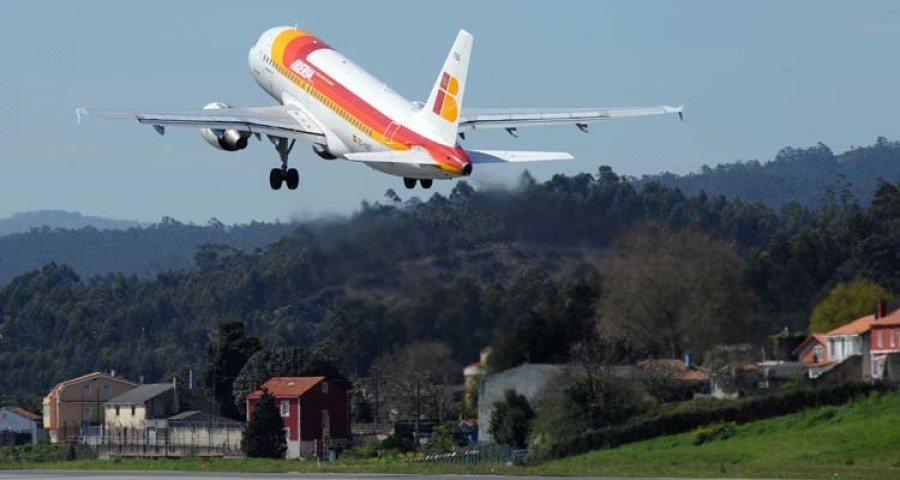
(228, 140)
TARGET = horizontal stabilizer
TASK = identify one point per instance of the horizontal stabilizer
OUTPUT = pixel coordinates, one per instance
(514, 156)
(412, 157)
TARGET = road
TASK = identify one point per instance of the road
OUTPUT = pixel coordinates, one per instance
(89, 475)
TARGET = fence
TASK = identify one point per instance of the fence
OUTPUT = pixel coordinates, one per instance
(167, 439)
(9, 438)
(486, 453)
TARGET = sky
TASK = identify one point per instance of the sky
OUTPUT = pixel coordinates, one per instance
(754, 76)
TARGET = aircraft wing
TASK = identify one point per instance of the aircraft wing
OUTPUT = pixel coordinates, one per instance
(414, 157)
(280, 121)
(511, 118)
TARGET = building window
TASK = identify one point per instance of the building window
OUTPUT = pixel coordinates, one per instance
(117, 410)
(817, 354)
(132, 410)
(287, 434)
(86, 389)
(107, 389)
(285, 408)
(892, 339)
(324, 387)
(88, 413)
(880, 342)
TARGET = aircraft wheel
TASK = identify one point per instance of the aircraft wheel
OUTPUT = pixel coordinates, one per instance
(426, 183)
(276, 179)
(292, 179)
(409, 182)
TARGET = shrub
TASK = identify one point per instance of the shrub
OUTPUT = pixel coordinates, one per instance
(511, 420)
(688, 416)
(399, 442)
(711, 433)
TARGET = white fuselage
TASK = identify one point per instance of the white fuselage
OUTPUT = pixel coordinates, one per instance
(357, 112)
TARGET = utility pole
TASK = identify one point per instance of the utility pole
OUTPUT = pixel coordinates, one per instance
(418, 414)
(377, 400)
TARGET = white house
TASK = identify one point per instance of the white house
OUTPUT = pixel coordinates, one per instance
(20, 421)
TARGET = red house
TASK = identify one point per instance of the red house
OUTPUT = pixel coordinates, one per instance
(316, 412)
(873, 338)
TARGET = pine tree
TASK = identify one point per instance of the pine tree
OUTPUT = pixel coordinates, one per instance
(264, 436)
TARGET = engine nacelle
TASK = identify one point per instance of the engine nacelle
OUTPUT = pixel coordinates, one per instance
(228, 140)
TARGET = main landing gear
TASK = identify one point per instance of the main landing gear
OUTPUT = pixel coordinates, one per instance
(284, 175)
(411, 182)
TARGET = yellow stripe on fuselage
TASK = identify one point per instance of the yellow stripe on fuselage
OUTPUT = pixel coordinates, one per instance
(279, 45)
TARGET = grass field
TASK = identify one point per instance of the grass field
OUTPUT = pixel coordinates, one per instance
(860, 440)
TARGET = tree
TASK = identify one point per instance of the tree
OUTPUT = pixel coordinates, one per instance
(224, 360)
(511, 420)
(264, 434)
(846, 302)
(281, 362)
(417, 381)
(671, 292)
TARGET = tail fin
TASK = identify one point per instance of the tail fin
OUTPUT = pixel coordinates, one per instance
(445, 102)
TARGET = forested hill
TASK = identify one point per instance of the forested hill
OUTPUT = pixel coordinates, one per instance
(531, 271)
(811, 177)
(143, 251)
(59, 219)
(807, 176)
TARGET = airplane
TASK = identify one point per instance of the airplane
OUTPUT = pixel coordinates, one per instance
(346, 113)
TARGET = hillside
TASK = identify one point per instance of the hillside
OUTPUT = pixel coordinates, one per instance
(521, 270)
(811, 177)
(855, 441)
(59, 219)
(135, 250)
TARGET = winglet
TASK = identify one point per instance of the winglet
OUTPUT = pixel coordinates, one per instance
(79, 112)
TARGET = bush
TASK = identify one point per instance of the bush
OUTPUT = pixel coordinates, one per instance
(711, 433)
(399, 442)
(45, 452)
(511, 420)
(671, 420)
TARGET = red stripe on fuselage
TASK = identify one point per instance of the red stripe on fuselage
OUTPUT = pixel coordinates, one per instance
(300, 49)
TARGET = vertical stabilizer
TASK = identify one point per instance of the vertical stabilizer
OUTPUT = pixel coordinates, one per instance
(445, 102)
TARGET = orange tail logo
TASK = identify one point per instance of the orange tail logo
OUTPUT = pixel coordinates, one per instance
(445, 103)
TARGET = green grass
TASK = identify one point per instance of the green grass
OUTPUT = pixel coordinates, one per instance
(860, 440)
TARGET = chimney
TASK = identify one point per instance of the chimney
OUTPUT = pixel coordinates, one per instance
(880, 309)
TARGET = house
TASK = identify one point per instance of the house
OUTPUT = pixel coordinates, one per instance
(164, 420)
(74, 404)
(132, 409)
(316, 412)
(18, 425)
(872, 338)
(883, 339)
(528, 380)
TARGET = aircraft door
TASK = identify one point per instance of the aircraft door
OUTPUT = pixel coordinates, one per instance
(390, 131)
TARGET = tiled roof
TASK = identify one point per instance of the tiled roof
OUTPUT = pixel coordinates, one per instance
(892, 319)
(817, 337)
(24, 413)
(856, 327)
(63, 383)
(287, 386)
